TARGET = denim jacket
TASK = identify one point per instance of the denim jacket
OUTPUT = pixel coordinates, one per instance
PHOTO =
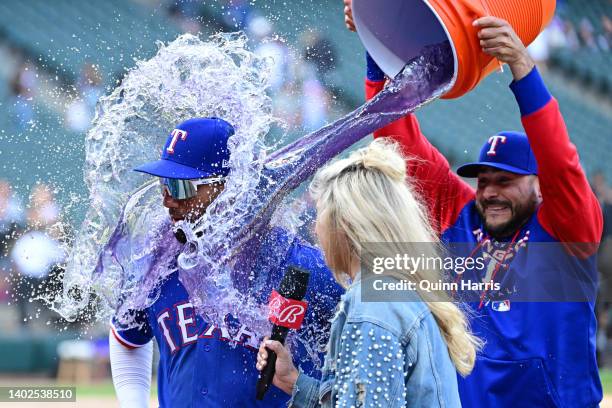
(381, 354)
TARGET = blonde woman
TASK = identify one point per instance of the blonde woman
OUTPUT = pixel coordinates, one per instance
(387, 354)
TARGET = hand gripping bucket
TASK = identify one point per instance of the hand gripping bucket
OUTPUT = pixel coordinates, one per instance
(395, 31)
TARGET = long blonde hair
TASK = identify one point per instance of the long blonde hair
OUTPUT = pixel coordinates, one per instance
(367, 198)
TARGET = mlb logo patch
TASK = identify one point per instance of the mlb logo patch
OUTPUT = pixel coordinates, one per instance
(503, 306)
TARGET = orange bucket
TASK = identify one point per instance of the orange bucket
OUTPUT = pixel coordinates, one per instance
(395, 31)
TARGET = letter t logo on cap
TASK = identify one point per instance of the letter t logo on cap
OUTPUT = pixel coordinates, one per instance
(493, 140)
(176, 133)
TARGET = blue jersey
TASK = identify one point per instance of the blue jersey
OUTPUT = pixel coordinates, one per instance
(539, 327)
(540, 349)
(204, 365)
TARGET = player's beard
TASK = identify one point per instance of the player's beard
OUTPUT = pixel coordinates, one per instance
(521, 212)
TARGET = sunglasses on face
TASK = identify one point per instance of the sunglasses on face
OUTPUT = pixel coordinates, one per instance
(180, 189)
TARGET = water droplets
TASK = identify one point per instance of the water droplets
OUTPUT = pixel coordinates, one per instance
(187, 78)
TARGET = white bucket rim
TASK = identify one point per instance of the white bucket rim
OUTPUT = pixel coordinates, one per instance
(368, 38)
(452, 44)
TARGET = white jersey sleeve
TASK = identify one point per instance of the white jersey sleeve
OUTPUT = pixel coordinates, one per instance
(131, 371)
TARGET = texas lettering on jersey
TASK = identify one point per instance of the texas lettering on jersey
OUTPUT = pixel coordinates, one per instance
(203, 364)
(183, 317)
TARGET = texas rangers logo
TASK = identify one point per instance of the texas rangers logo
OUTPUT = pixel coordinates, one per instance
(176, 135)
(493, 141)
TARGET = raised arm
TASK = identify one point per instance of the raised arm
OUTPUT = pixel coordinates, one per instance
(570, 211)
(444, 193)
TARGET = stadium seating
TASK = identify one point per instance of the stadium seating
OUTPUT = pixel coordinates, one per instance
(61, 37)
(459, 127)
(66, 34)
(28, 353)
(592, 66)
(291, 19)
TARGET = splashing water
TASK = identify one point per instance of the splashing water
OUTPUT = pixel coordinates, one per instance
(118, 252)
(217, 270)
(190, 78)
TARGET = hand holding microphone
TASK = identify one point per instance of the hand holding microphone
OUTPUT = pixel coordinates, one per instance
(287, 311)
(285, 374)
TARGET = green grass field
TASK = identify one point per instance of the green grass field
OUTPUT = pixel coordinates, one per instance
(105, 389)
(606, 380)
(102, 389)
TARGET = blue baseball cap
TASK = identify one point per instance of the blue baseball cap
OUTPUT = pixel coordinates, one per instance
(195, 149)
(509, 151)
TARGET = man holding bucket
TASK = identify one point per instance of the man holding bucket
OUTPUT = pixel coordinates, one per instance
(532, 195)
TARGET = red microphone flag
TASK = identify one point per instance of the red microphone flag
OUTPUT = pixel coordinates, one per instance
(286, 312)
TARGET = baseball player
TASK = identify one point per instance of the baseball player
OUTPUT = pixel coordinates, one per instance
(201, 364)
(531, 190)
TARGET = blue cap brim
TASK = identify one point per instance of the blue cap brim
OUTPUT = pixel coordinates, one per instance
(170, 169)
(471, 170)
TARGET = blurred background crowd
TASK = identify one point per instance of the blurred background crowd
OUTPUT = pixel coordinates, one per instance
(58, 58)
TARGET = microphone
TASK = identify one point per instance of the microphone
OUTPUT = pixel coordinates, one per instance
(286, 311)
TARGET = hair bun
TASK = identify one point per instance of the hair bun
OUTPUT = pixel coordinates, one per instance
(384, 155)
